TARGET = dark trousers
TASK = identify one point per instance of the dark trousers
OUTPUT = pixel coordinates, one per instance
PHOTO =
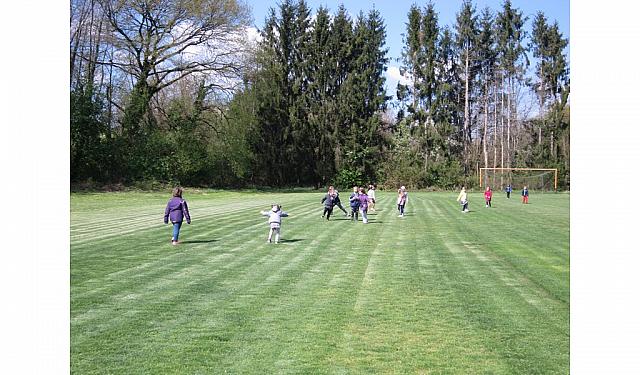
(354, 213)
(508, 194)
(488, 202)
(327, 211)
(401, 209)
(342, 208)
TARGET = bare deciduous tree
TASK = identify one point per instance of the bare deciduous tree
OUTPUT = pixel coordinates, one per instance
(159, 42)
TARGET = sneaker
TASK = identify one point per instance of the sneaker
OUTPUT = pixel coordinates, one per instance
(174, 243)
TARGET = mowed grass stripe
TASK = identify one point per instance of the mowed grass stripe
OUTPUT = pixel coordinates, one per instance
(520, 312)
(512, 233)
(324, 298)
(404, 326)
(268, 272)
(159, 260)
(122, 224)
(397, 295)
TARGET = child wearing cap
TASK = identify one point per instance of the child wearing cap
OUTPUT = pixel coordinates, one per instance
(275, 219)
(403, 197)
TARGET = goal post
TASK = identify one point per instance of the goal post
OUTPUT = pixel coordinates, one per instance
(520, 174)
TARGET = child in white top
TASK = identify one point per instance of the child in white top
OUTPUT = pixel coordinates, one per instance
(372, 197)
(275, 218)
(403, 197)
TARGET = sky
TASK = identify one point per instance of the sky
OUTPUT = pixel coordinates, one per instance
(395, 13)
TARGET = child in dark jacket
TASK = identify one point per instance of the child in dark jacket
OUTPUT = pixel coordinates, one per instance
(354, 202)
(329, 202)
(336, 200)
(176, 211)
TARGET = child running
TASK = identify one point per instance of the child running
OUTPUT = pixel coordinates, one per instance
(275, 219)
(525, 195)
(487, 197)
(372, 197)
(462, 198)
(176, 211)
(508, 190)
(329, 202)
(364, 202)
(336, 200)
(354, 202)
(403, 197)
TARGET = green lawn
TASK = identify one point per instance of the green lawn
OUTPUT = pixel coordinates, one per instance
(438, 291)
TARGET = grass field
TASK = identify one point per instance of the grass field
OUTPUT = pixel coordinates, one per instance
(438, 291)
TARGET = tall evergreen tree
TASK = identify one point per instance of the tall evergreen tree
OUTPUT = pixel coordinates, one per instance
(513, 59)
(487, 58)
(466, 43)
(365, 94)
(540, 46)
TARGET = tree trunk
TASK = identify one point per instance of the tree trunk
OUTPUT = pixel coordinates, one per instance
(486, 124)
(495, 129)
(509, 93)
(466, 109)
(541, 114)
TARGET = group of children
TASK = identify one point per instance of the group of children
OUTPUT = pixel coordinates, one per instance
(488, 194)
(359, 201)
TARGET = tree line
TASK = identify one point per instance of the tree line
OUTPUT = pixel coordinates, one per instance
(172, 91)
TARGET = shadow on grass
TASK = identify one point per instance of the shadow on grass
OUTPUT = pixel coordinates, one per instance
(198, 241)
(292, 240)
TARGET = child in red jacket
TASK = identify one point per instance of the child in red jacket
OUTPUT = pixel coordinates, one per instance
(487, 197)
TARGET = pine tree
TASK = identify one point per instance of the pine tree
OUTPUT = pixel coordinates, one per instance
(539, 46)
(513, 60)
(466, 41)
(486, 64)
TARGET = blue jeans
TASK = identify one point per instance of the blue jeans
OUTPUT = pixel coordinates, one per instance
(176, 230)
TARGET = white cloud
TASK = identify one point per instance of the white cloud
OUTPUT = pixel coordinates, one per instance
(394, 75)
(253, 35)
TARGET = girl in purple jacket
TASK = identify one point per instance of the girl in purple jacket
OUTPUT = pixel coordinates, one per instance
(364, 202)
(176, 210)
